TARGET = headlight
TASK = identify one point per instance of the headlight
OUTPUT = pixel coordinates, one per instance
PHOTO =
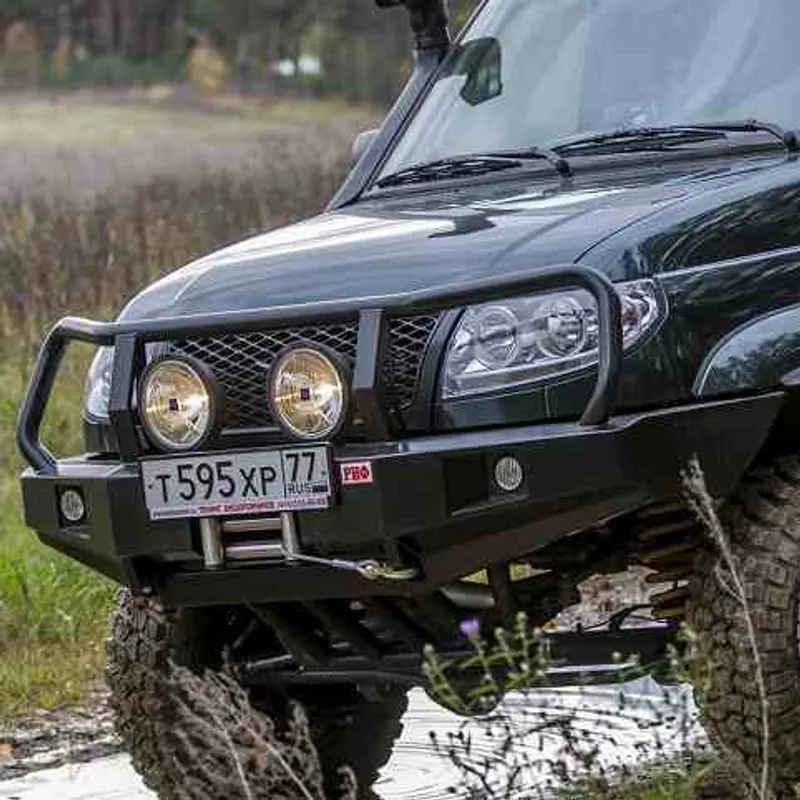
(517, 341)
(307, 393)
(178, 403)
(98, 386)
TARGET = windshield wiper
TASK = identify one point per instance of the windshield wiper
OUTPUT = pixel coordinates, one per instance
(472, 165)
(652, 138)
(662, 136)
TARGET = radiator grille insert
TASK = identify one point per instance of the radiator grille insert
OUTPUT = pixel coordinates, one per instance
(241, 362)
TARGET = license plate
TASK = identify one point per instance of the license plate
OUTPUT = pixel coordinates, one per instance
(226, 484)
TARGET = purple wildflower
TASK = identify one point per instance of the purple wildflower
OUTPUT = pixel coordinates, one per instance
(471, 628)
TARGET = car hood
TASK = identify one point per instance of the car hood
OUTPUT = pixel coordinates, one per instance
(435, 238)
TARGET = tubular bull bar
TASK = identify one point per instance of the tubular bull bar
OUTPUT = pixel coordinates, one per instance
(129, 338)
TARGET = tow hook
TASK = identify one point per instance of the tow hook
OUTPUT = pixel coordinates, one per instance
(371, 570)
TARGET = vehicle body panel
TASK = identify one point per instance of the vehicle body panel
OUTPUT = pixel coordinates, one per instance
(718, 234)
(763, 352)
(389, 245)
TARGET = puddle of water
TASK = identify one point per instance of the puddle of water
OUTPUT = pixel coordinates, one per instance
(104, 779)
(637, 723)
(650, 723)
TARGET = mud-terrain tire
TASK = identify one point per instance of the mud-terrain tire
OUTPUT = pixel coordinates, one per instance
(144, 639)
(356, 732)
(351, 730)
(762, 524)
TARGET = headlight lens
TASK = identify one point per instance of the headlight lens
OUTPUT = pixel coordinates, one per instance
(524, 339)
(177, 403)
(97, 391)
(307, 393)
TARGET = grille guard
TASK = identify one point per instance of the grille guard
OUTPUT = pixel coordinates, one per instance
(129, 340)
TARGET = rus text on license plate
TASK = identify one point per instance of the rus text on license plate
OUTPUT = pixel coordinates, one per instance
(225, 484)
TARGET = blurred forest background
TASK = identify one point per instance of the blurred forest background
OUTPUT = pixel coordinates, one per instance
(313, 48)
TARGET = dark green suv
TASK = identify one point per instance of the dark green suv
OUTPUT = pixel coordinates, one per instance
(566, 264)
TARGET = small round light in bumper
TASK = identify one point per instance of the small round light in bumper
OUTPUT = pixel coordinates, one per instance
(72, 506)
(178, 403)
(308, 393)
(508, 474)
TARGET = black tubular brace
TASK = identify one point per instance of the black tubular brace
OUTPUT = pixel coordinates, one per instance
(428, 21)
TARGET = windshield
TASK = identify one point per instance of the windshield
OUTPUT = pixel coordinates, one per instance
(531, 72)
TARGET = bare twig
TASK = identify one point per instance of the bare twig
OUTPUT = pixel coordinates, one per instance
(215, 715)
(732, 583)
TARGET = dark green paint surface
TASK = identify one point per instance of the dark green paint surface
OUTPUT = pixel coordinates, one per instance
(720, 233)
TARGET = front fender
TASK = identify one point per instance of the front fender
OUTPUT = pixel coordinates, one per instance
(760, 355)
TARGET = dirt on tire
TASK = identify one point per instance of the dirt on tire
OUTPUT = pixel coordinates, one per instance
(763, 524)
(193, 732)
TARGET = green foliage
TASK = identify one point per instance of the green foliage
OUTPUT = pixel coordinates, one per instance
(52, 611)
(115, 69)
(14, 9)
(662, 783)
(365, 52)
(514, 661)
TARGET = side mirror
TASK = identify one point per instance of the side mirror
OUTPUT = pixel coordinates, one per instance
(481, 63)
(362, 142)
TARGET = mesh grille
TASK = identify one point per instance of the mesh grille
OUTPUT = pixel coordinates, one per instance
(408, 339)
(241, 362)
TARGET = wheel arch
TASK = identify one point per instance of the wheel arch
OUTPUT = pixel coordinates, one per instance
(762, 354)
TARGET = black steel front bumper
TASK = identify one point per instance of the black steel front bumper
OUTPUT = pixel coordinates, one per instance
(435, 494)
(432, 498)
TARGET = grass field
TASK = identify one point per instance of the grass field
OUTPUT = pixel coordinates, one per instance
(97, 200)
(80, 145)
(53, 612)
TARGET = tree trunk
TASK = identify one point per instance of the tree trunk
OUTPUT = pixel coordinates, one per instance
(103, 37)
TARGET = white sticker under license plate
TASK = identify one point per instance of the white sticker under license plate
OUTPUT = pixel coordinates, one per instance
(226, 484)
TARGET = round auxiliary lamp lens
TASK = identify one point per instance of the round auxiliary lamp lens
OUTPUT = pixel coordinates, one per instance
(307, 392)
(176, 404)
(72, 505)
(508, 474)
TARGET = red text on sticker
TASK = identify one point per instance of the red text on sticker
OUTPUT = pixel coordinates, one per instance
(356, 473)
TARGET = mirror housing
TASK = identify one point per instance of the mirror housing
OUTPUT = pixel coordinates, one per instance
(480, 62)
(428, 22)
(361, 143)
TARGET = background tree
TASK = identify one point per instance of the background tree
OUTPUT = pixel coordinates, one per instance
(363, 53)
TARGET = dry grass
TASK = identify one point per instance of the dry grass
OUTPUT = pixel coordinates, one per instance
(129, 193)
(80, 145)
(98, 202)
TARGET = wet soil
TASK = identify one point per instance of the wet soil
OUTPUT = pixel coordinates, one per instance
(51, 739)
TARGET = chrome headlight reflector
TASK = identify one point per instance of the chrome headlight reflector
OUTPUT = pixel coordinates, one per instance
(178, 403)
(97, 390)
(521, 340)
(307, 393)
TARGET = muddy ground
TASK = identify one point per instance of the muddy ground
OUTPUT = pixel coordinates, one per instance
(52, 739)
